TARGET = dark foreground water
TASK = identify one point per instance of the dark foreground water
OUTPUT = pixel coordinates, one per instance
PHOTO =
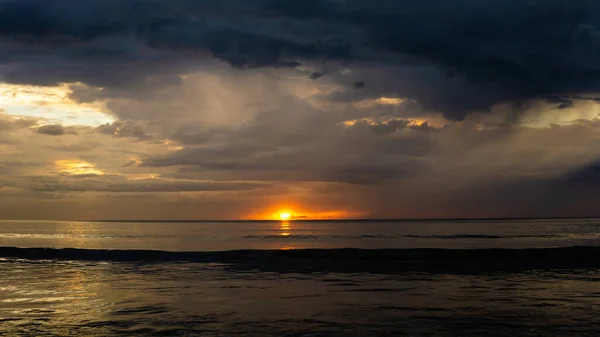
(501, 278)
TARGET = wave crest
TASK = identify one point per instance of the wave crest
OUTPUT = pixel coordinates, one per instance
(341, 260)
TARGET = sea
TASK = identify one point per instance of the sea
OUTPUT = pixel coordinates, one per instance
(530, 277)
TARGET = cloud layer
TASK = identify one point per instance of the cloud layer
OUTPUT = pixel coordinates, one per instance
(223, 108)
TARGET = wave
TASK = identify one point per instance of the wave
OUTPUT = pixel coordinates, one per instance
(321, 237)
(81, 236)
(274, 236)
(480, 236)
(339, 260)
(392, 237)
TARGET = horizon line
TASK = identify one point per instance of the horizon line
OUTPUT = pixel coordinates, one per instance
(320, 220)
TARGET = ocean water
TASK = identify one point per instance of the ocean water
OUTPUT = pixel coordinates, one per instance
(362, 278)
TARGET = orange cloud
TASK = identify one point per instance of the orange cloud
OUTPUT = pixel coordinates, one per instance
(77, 168)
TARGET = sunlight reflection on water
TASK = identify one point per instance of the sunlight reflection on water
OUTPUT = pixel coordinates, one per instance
(131, 299)
(207, 236)
(274, 298)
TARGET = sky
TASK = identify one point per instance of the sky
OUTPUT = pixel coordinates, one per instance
(242, 109)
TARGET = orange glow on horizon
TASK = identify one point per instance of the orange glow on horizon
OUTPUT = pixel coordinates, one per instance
(299, 214)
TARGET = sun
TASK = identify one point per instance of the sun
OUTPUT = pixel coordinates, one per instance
(285, 216)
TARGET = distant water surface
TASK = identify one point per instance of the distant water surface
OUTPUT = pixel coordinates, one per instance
(397, 290)
(218, 236)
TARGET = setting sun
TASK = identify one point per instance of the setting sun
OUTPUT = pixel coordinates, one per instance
(300, 213)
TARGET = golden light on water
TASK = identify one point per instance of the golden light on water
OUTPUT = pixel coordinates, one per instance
(285, 231)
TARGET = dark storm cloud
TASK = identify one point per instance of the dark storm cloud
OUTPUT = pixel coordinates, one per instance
(129, 129)
(358, 85)
(52, 130)
(308, 145)
(564, 102)
(588, 176)
(111, 43)
(316, 75)
(241, 95)
(472, 53)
